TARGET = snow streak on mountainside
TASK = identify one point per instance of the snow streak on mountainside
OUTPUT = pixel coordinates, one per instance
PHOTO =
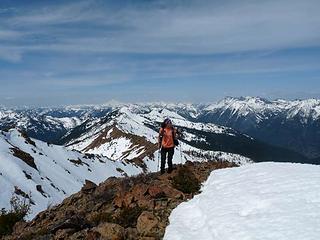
(264, 201)
(48, 173)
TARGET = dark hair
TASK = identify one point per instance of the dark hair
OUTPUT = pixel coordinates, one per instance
(165, 122)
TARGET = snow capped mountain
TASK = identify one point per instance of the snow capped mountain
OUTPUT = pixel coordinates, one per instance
(47, 173)
(255, 108)
(134, 129)
(43, 124)
(257, 201)
(131, 133)
(262, 108)
(305, 110)
(123, 130)
(92, 128)
(291, 124)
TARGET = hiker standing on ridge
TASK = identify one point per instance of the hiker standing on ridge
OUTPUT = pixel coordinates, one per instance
(167, 141)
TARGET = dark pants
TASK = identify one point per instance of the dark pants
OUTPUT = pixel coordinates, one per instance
(164, 153)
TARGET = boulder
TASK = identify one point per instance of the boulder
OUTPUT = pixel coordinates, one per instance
(76, 223)
(147, 224)
(155, 191)
(88, 186)
(145, 203)
(110, 231)
(19, 227)
(171, 192)
(64, 233)
(131, 234)
(118, 201)
(139, 190)
(128, 199)
(92, 235)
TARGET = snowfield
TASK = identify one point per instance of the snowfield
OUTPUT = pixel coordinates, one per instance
(265, 201)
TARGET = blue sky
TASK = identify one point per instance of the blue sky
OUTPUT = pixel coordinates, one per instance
(77, 52)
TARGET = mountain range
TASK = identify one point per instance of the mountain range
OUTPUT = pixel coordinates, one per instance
(46, 154)
(293, 125)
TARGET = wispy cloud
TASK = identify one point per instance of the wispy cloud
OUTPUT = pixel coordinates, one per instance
(56, 14)
(196, 29)
(99, 43)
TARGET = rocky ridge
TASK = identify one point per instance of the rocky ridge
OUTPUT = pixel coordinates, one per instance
(119, 208)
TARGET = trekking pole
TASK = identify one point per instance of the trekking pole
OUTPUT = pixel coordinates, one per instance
(158, 160)
(180, 154)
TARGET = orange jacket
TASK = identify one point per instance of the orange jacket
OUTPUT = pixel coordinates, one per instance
(167, 137)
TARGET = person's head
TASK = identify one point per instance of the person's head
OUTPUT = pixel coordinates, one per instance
(167, 123)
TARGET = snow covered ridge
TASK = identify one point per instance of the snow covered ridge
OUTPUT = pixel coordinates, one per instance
(49, 173)
(292, 125)
(65, 118)
(264, 201)
(305, 109)
(131, 133)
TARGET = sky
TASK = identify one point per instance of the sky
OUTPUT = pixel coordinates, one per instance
(89, 52)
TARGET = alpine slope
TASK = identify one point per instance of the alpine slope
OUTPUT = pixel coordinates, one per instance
(264, 201)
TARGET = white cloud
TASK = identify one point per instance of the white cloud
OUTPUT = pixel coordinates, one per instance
(69, 13)
(88, 44)
(209, 28)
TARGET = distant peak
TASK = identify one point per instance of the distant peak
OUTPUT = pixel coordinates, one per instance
(247, 98)
(112, 102)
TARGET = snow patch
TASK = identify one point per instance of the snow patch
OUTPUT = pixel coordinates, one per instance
(264, 201)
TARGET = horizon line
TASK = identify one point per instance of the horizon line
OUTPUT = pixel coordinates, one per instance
(160, 102)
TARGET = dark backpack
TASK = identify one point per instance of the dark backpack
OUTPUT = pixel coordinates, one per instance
(175, 140)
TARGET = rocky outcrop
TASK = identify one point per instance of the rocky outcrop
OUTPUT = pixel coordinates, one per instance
(119, 208)
(88, 186)
(147, 224)
(24, 156)
(109, 231)
(140, 144)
